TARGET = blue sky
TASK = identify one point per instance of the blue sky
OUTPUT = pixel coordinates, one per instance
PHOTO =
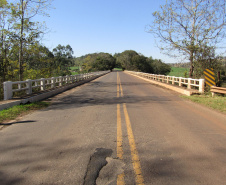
(111, 26)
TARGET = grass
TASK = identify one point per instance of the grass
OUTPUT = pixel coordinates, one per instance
(118, 69)
(179, 72)
(18, 110)
(216, 102)
(74, 73)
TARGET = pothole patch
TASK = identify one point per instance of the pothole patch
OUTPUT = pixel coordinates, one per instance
(96, 163)
(109, 173)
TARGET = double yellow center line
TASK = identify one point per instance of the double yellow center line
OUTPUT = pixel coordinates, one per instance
(134, 153)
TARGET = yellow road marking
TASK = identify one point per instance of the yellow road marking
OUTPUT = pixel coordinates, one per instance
(120, 86)
(119, 134)
(120, 178)
(134, 153)
(117, 85)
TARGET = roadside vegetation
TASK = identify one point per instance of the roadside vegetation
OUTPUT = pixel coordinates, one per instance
(217, 102)
(23, 56)
(16, 111)
(127, 60)
(179, 72)
(118, 69)
(189, 28)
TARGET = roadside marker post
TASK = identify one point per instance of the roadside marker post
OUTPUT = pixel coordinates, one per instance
(209, 77)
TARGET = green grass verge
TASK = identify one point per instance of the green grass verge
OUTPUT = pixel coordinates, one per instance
(216, 102)
(15, 111)
(74, 73)
(118, 69)
(179, 72)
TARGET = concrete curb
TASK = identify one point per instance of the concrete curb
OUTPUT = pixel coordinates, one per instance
(168, 86)
(10, 103)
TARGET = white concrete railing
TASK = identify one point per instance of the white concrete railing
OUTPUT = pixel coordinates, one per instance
(44, 83)
(189, 82)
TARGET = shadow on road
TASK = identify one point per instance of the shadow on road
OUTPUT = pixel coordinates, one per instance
(176, 166)
(36, 162)
(104, 93)
(17, 122)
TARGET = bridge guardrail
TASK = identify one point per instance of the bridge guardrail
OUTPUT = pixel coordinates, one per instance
(180, 81)
(44, 83)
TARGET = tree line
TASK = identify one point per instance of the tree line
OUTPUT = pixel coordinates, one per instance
(127, 60)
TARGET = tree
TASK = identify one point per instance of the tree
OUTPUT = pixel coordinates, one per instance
(184, 26)
(6, 42)
(103, 61)
(125, 58)
(206, 58)
(27, 30)
(63, 57)
(131, 60)
(160, 68)
(40, 62)
(97, 62)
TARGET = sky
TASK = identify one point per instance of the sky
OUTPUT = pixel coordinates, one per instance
(110, 26)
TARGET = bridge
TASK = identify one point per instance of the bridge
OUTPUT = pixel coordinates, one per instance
(116, 129)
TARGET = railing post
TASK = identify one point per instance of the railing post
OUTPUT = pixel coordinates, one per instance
(71, 79)
(201, 85)
(66, 79)
(53, 82)
(8, 90)
(60, 80)
(173, 80)
(167, 80)
(180, 80)
(29, 86)
(189, 83)
(19, 86)
(43, 85)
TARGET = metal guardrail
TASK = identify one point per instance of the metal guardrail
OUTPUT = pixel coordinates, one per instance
(220, 90)
(44, 83)
(180, 81)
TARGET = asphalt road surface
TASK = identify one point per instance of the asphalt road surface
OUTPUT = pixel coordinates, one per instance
(117, 129)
